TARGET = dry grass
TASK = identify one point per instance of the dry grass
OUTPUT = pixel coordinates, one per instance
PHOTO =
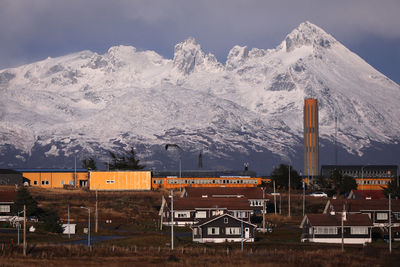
(114, 255)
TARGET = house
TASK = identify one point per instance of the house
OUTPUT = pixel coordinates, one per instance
(327, 228)
(223, 228)
(377, 210)
(366, 194)
(254, 195)
(7, 199)
(188, 211)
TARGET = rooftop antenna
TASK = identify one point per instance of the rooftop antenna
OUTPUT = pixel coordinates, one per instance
(200, 160)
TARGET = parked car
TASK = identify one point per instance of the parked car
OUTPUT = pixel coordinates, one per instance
(318, 194)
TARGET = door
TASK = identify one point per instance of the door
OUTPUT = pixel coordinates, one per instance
(247, 232)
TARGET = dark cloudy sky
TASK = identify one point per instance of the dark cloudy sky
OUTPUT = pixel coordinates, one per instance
(31, 30)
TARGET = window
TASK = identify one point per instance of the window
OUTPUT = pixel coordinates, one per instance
(45, 182)
(225, 220)
(327, 230)
(110, 181)
(201, 214)
(4, 208)
(35, 182)
(62, 182)
(217, 212)
(381, 216)
(232, 230)
(241, 214)
(358, 230)
(213, 230)
(182, 214)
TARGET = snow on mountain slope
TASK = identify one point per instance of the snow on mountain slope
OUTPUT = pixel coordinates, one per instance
(252, 103)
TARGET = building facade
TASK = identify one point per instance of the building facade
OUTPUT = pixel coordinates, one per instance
(368, 177)
(55, 178)
(119, 180)
(311, 140)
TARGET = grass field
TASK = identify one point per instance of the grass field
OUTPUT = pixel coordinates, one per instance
(134, 216)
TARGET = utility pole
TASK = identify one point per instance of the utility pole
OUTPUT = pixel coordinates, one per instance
(304, 197)
(172, 219)
(274, 197)
(75, 173)
(96, 225)
(390, 225)
(263, 189)
(289, 194)
(69, 228)
(241, 231)
(180, 173)
(343, 214)
(24, 249)
(89, 228)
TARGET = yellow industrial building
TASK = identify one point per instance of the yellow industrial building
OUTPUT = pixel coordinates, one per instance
(55, 178)
(119, 180)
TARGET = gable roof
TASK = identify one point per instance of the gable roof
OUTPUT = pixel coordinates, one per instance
(192, 203)
(336, 220)
(207, 221)
(7, 196)
(366, 194)
(358, 205)
(247, 192)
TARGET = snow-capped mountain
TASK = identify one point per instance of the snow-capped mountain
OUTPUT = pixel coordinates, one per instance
(85, 103)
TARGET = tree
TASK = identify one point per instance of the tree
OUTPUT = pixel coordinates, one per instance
(321, 182)
(23, 197)
(125, 162)
(281, 177)
(89, 164)
(50, 221)
(342, 184)
(392, 189)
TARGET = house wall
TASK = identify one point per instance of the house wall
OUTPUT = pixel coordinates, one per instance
(349, 238)
(120, 180)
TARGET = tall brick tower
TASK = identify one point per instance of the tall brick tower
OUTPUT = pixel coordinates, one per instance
(311, 145)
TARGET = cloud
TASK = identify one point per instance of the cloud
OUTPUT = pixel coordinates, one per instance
(41, 28)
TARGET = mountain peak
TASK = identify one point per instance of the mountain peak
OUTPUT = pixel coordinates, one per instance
(237, 56)
(188, 56)
(308, 34)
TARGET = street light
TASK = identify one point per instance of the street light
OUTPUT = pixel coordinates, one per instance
(180, 162)
(88, 224)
